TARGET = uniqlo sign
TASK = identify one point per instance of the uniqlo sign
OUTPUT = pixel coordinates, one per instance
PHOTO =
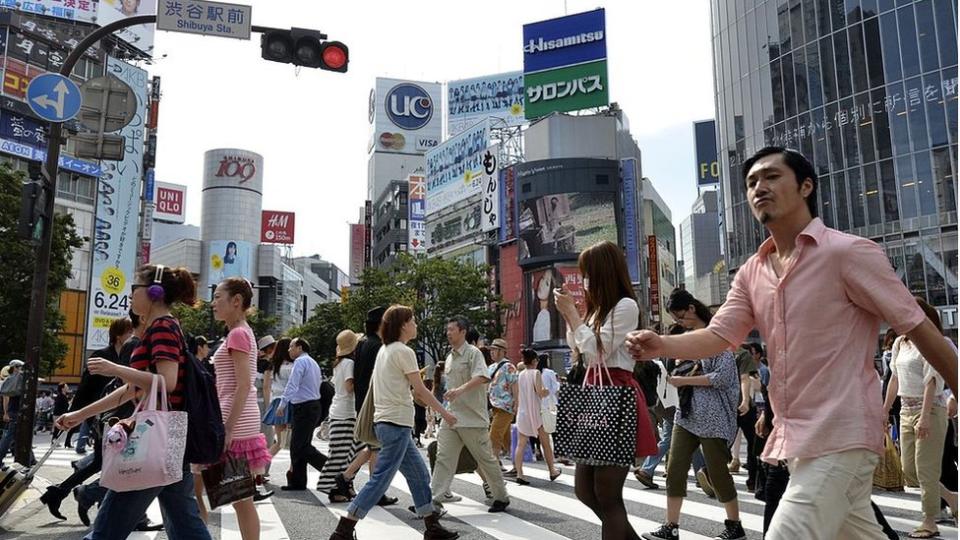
(276, 227)
(171, 201)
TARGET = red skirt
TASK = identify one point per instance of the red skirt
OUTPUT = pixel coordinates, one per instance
(646, 440)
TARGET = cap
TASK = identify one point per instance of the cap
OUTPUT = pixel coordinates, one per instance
(16, 363)
(375, 315)
(265, 342)
(499, 343)
(346, 342)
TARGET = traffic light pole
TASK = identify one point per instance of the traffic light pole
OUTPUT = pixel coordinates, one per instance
(41, 274)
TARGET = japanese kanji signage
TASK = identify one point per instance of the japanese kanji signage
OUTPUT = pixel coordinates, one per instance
(277, 227)
(565, 64)
(74, 10)
(205, 18)
(631, 218)
(490, 183)
(654, 266)
(417, 225)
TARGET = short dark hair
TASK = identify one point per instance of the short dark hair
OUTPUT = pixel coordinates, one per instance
(462, 322)
(302, 343)
(682, 299)
(797, 162)
(529, 356)
(473, 336)
(118, 328)
(134, 318)
(755, 347)
(392, 324)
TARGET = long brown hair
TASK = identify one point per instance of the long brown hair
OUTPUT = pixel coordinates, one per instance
(606, 268)
(931, 313)
(393, 320)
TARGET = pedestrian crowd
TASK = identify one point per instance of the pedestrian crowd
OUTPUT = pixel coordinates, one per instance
(784, 369)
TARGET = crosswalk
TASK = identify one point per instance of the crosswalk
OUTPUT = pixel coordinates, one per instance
(543, 510)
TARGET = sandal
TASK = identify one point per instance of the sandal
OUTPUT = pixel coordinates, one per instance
(522, 481)
(922, 532)
(337, 496)
(555, 476)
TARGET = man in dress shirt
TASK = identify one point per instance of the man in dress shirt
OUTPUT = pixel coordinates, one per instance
(817, 297)
(303, 395)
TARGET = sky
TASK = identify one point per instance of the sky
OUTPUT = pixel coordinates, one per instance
(311, 125)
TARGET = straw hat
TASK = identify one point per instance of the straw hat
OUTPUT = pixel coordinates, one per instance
(347, 342)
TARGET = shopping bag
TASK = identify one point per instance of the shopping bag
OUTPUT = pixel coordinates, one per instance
(145, 450)
(549, 416)
(889, 472)
(363, 431)
(597, 424)
(228, 481)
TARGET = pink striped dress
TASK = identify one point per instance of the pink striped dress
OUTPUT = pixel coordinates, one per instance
(248, 443)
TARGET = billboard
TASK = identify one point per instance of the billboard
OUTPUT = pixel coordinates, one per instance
(229, 258)
(631, 218)
(116, 221)
(357, 243)
(493, 96)
(654, 264)
(490, 184)
(72, 10)
(564, 64)
(546, 326)
(564, 224)
(406, 116)
(508, 219)
(141, 35)
(708, 167)
(416, 225)
(277, 227)
(171, 202)
(454, 168)
(452, 229)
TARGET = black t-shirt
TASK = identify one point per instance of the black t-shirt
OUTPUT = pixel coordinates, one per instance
(366, 357)
(92, 386)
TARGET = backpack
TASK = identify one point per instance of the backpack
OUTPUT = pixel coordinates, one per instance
(205, 431)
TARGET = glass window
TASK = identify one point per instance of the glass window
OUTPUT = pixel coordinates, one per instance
(848, 124)
(881, 123)
(823, 17)
(908, 187)
(946, 30)
(891, 46)
(806, 135)
(945, 179)
(834, 141)
(796, 24)
(821, 159)
(783, 21)
(949, 257)
(753, 50)
(936, 120)
(742, 48)
(949, 93)
(895, 254)
(826, 200)
(888, 181)
(810, 21)
(896, 108)
(777, 85)
(737, 112)
(916, 114)
(852, 9)
(735, 52)
(815, 87)
(908, 42)
(856, 198)
(874, 52)
(871, 191)
(914, 266)
(858, 58)
(766, 96)
(928, 200)
(773, 30)
(869, 8)
(842, 56)
(793, 133)
(837, 14)
(927, 36)
(799, 86)
(861, 115)
(840, 200)
(884, 5)
(829, 76)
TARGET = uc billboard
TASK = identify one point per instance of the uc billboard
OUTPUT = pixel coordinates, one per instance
(708, 167)
(565, 64)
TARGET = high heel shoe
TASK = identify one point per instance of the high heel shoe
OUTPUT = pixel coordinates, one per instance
(555, 476)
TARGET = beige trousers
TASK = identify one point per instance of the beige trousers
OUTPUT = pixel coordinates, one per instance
(450, 441)
(921, 459)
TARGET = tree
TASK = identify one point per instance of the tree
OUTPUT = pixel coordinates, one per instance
(322, 328)
(195, 320)
(17, 261)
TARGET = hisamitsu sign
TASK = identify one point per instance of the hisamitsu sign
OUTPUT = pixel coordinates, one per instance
(204, 18)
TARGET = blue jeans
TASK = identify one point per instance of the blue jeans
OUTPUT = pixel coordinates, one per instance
(397, 453)
(9, 434)
(82, 437)
(666, 434)
(120, 512)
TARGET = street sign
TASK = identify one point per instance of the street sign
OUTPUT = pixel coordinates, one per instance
(54, 97)
(109, 104)
(205, 18)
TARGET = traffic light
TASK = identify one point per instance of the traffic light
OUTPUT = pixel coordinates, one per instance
(32, 205)
(303, 47)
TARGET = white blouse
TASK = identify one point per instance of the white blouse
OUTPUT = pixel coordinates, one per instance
(913, 371)
(624, 318)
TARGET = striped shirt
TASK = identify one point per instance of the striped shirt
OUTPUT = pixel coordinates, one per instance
(163, 341)
(239, 339)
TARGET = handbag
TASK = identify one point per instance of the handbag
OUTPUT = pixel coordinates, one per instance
(145, 450)
(228, 481)
(548, 415)
(889, 472)
(363, 431)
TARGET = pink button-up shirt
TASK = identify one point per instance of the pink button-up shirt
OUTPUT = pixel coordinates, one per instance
(821, 321)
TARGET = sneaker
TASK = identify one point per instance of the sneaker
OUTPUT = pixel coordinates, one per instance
(512, 473)
(733, 530)
(645, 479)
(734, 466)
(705, 484)
(945, 516)
(498, 506)
(667, 531)
(448, 498)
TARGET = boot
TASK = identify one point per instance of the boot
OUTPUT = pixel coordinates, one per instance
(52, 499)
(435, 531)
(345, 530)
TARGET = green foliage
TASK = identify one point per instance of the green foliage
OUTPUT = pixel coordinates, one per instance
(322, 328)
(196, 320)
(17, 263)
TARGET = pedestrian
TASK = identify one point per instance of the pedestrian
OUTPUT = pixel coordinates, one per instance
(395, 372)
(160, 352)
(12, 395)
(281, 367)
(236, 364)
(61, 404)
(923, 422)
(343, 419)
(302, 395)
(817, 297)
(886, 356)
(265, 349)
(531, 393)
(667, 401)
(502, 394)
(611, 312)
(746, 417)
(707, 418)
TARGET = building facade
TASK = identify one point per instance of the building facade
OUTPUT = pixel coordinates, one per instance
(658, 222)
(868, 90)
(700, 248)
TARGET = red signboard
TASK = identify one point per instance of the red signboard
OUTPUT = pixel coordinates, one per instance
(171, 201)
(654, 277)
(358, 235)
(276, 227)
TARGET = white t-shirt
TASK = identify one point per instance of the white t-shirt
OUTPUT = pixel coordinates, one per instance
(391, 389)
(914, 372)
(613, 334)
(343, 405)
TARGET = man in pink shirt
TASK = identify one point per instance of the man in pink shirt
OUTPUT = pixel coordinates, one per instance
(817, 296)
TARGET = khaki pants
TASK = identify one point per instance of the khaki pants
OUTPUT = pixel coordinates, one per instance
(922, 458)
(828, 498)
(500, 430)
(450, 441)
(715, 452)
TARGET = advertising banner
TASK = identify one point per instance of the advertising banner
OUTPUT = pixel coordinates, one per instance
(454, 168)
(494, 96)
(508, 216)
(654, 263)
(406, 116)
(357, 232)
(448, 231)
(116, 223)
(546, 324)
(277, 227)
(229, 258)
(73, 10)
(171, 202)
(61, 36)
(141, 35)
(631, 231)
(17, 76)
(564, 224)
(566, 89)
(708, 168)
(490, 183)
(417, 225)
(564, 41)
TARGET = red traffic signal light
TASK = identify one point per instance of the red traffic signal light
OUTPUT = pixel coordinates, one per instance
(303, 47)
(334, 56)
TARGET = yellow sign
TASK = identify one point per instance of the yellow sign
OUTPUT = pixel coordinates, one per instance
(112, 280)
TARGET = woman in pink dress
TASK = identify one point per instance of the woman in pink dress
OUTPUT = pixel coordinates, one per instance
(236, 366)
(529, 422)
